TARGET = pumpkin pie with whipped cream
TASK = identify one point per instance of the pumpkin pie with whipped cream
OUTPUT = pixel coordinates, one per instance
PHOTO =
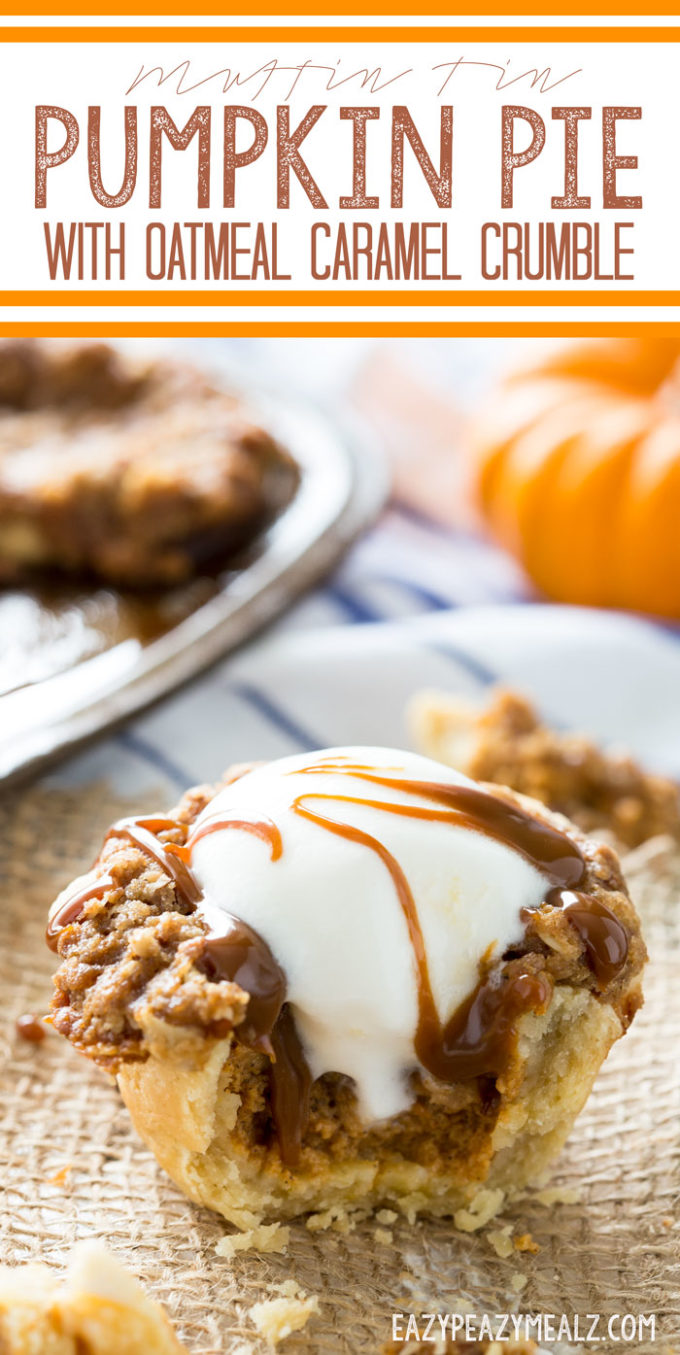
(349, 979)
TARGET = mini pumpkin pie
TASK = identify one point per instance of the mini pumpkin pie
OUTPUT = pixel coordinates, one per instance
(347, 979)
(96, 1308)
(136, 473)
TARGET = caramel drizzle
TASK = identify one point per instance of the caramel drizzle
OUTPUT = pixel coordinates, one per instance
(264, 828)
(231, 951)
(549, 850)
(72, 907)
(478, 1038)
(141, 833)
(605, 938)
(172, 858)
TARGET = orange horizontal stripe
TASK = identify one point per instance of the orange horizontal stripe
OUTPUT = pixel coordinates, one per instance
(349, 297)
(341, 33)
(343, 329)
(354, 8)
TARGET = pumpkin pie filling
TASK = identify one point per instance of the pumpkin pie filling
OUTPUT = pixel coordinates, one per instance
(217, 957)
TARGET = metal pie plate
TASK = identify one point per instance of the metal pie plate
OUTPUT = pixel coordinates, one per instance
(50, 705)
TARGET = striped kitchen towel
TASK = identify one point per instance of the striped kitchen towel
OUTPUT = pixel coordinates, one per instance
(422, 600)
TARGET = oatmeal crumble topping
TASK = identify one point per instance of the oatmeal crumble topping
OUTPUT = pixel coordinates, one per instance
(505, 742)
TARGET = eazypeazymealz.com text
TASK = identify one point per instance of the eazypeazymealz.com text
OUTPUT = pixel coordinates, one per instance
(577, 1328)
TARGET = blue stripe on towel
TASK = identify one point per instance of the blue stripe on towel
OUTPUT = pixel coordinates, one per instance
(355, 608)
(433, 601)
(472, 665)
(149, 753)
(275, 715)
(669, 628)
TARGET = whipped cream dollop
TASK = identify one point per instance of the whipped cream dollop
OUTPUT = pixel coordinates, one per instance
(321, 887)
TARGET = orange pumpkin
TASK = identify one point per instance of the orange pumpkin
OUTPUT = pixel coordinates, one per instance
(577, 464)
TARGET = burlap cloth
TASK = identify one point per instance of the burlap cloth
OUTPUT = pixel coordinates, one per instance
(74, 1167)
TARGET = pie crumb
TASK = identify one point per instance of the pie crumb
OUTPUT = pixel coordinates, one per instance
(337, 1218)
(557, 1195)
(482, 1208)
(384, 1236)
(288, 1289)
(519, 1281)
(60, 1177)
(96, 1306)
(275, 1319)
(271, 1237)
(525, 1242)
(501, 1241)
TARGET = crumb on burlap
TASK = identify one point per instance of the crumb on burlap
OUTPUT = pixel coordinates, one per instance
(339, 1219)
(551, 1195)
(519, 1281)
(501, 1241)
(384, 1236)
(289, 1289)
(525, 1242)
(277, 1318)
(61, 1177)
(481, 1209)
(268, 1237)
